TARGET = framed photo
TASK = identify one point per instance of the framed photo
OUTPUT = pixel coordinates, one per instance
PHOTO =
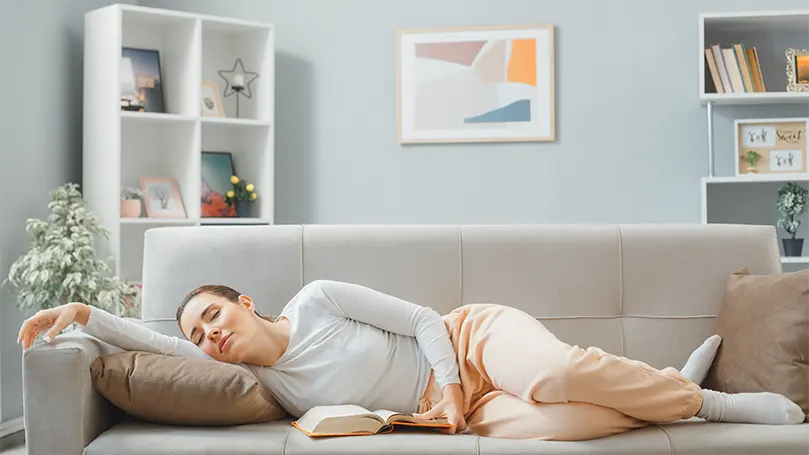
(210, 102)
(797, 70)
(217, 168)
(771, 146)
(476, 84)
(161, 196)
(141, 81)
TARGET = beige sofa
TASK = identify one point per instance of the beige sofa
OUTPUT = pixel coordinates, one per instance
(649, 292)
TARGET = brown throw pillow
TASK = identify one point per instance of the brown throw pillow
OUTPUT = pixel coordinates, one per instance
(183, 391)
(764, 325)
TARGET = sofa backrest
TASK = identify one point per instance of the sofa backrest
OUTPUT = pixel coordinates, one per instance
(646, 291)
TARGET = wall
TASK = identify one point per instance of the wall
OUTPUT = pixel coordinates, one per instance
(631, 133)
(41, 44)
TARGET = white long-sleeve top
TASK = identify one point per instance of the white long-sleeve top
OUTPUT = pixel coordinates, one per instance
(348, 344)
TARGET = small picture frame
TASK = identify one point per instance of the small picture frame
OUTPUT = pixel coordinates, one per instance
(797, 70)
(141, 82)
(161, 196)
(210, 102)
(771, 146)
(216, 169)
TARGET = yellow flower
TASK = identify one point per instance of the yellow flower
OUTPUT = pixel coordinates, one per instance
(253, 196)
(234, 180)
(230, 193)
(249, 187)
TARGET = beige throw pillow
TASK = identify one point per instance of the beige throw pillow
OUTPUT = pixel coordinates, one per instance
(764, 325)
(183, 391)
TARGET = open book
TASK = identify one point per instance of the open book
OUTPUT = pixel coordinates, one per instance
(349, 420)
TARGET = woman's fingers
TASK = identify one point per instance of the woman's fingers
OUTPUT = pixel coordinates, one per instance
(62, 320)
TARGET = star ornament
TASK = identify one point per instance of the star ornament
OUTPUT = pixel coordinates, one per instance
(238, 81)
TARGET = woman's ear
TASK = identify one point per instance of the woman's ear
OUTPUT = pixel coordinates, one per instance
(247, 302)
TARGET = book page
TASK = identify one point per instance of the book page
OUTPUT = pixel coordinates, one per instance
(312, 417)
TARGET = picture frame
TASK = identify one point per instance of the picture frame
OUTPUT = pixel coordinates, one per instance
(162, 198)
(215, 172)
(797, 70)
(210, 101)
(773, 145)
(141, 82)
(476, 84)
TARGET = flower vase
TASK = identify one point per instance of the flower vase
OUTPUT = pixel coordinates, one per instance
(792, 247)
(244, 209)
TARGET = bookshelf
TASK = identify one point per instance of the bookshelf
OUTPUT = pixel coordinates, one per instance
(751, 198)
(121, 146)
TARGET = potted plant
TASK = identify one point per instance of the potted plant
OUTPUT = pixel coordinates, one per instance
(751, 158)
(130, 202)
(243, 195)
(61, 265)
(793, 201)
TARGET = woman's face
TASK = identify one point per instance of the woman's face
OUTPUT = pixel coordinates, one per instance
(222, 329)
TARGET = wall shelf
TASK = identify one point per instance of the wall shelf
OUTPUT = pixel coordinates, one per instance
(122, 146)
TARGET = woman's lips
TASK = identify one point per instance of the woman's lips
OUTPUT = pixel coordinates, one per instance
(222, 343)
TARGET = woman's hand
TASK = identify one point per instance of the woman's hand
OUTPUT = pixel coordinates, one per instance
(53, 321)
(450, 407)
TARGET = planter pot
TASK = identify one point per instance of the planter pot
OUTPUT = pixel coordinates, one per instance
(130, 208)
(244, 209)
(793, 247)
(752, 170)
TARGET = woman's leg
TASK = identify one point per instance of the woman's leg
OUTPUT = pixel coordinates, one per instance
(506, 349)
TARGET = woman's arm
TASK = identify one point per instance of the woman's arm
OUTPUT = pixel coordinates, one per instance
(107, 327)
(398, 316)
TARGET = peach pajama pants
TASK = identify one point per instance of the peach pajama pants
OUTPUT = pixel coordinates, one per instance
(520, 382)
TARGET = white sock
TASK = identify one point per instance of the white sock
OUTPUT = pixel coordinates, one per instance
(762, 408)
(697, 366)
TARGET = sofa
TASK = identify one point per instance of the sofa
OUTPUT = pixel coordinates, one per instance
(646, 291)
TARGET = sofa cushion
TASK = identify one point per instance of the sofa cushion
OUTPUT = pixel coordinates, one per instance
(764, 325)
(697, 437)
(134, 437)
(650, 440)
(185, 391)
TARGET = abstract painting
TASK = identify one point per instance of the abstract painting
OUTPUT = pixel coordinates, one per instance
(217, 168)
(483, 84)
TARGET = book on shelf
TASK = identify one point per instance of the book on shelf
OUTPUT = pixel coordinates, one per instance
(350, 420)
(734, 69)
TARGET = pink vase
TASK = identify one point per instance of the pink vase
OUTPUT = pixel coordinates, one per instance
(130, 208)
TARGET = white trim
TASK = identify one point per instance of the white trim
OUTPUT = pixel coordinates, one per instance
(12, 426)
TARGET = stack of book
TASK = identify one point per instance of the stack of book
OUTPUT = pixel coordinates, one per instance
(734, 69)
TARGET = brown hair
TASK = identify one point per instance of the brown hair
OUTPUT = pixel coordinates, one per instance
(218, 290)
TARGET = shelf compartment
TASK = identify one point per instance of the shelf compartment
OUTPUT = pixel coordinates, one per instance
(176, 38)
(225, 42)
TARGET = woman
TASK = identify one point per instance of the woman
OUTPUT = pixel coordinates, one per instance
(491, 370)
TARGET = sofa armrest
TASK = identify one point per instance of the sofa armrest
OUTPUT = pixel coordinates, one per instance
(63, 413)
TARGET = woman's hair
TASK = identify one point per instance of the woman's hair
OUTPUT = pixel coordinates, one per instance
(218, 290)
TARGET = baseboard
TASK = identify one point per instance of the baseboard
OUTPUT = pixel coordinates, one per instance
(12, 433)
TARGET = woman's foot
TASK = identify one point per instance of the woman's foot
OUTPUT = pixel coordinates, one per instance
(762, 408)
(697, 366)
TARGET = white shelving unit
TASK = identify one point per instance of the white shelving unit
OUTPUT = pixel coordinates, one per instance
(750, 199)
(122, 146)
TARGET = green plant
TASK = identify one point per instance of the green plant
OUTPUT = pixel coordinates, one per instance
(61, 265)
(793, 201)
(752, 157)
(128, 193)
(241, 192)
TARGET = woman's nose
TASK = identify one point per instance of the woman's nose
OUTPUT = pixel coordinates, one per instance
(213, 334)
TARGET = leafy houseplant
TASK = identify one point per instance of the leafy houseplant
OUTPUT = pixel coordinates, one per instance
(130, 202)
(61, 265)
(751, 158)
(793, 201)
(242, 196)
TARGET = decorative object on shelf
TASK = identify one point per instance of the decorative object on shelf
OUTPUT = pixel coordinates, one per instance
(58, 269)
(242, 196)
(162, 197)
(797, 70)
(211, 103)
(217, 167)
(476, 84)
(141, 81)
(131, 202)
(793, 200)
(238, 83)
(781, 145)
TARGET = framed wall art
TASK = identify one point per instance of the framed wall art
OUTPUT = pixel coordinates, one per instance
(141, 81)
(216, 168)
(210, 102)
(771, 146)
(797, 70)
(476, 84)
(162, 198)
